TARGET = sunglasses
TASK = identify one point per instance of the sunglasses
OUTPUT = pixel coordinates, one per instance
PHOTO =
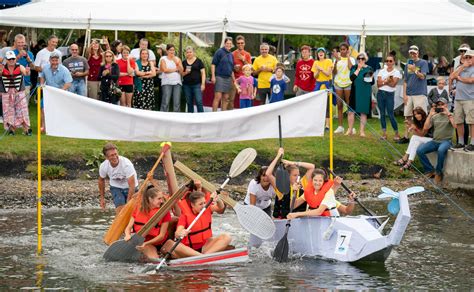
(240, 43)
(389, 61)
(462, 51)
(361, 59)
(467, 57)
(108, 56)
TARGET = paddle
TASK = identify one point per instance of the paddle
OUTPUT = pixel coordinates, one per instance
(282, 177)
(280, 254)
(121, 220)
(240, 163)
(125, 251)
(368, 211)
(251, 218)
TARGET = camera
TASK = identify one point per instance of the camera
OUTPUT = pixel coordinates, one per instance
(439, 110)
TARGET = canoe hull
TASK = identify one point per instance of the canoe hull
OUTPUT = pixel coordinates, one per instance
(239, 255)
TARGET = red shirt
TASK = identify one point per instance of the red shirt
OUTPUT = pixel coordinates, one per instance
(304, 78)
(239, 62)
(125, 80)
(94, 67)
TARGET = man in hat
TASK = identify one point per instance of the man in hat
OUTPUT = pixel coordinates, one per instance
(414, 87)
(442, 122)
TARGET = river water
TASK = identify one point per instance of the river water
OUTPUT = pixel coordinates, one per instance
(437, 252)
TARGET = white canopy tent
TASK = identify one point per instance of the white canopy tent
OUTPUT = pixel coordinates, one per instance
(338, 17)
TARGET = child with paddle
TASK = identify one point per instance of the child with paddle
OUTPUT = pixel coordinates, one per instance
(319, 196)
(152, 200)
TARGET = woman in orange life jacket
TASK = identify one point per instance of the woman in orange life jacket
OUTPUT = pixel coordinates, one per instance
(282, 201)
(199, 240)
(320, 197)
(151, 202)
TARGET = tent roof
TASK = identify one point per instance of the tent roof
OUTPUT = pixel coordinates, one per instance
(381, 17)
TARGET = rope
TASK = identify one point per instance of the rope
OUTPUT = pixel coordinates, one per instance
(396, 153)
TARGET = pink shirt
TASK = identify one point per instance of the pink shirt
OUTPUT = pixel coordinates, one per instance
(246, 85)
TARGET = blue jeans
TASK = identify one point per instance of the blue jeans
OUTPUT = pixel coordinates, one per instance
(193, 92)
(432, 146)
(245, 103)
(385, 100)
(78, 86)
(169, 90)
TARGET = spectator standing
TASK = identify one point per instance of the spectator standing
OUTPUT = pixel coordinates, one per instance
(171, 68)
(108, 75)
(342, 81)
(437, 92)
(263, 67)
(222, 75)
(43, 56)
(144, 93)
(194, 80)
(246, 88)
(414, 87)
(117, 47)
(127, 67)
(24, 58)
(143, 45)
(442, 68)
(387, 81)
(79, 68)
(322, 70)
(304, 78)
(241, 58)
(278, 86)
(95, 58)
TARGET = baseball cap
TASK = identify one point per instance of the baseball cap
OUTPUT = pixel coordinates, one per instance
(321, 49)
(469, 53)
(464, 47)
(162, 46)
(443, 100)
(413, 49)
(54, 55)
(10, 55)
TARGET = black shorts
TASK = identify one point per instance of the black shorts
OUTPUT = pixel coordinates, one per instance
(262, 94)
(127, 88)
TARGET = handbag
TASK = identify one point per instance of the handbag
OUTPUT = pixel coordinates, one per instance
(115, 90)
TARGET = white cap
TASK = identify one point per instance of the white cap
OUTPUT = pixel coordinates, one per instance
(464, 47)
(469, 53)
(413, 49)
(10, 55)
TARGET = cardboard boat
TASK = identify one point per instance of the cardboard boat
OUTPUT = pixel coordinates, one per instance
(238, 255)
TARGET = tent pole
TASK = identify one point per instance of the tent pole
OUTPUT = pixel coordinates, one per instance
(362, 39)
(180, 46)
(283, 50)
(116, 35)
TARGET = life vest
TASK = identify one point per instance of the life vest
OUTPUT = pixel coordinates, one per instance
(201, 230)
(142, 218)
(12, 80)
(315, 200)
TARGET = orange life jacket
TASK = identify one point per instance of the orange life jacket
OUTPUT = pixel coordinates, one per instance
(201, 230)
(315, 200)
(142, 218)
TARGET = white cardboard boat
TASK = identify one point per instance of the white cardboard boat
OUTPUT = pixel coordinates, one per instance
(233, 256)
(353, 238)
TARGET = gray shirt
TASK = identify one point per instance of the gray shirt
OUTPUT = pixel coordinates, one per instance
(465, 91)
(415, 85)
(76, 64)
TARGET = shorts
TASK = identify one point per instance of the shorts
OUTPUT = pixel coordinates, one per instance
(464, 111)
(262, 94)
(127, 88)
(347, 88)
(119, 196)
(415, 101)
(223, 84)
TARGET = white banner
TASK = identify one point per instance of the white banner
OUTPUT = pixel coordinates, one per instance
(74, 116)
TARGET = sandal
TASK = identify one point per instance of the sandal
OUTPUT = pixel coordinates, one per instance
(406, 166)
(400, 162)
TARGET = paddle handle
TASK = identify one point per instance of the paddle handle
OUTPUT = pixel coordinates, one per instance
(279, 131)
(163, 150)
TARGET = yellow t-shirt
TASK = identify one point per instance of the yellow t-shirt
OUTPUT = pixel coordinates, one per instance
(325, 65)
(264, 77)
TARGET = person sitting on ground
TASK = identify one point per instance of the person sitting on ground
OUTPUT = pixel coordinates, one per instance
(245, 87)
(122, 175)
(419, 137)
(320, 197)
(199, 240)
(437, 92)
(151, 202)
(261, 191)
(442, 122)
(283, 201)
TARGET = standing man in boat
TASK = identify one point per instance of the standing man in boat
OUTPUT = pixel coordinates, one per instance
(122, 177)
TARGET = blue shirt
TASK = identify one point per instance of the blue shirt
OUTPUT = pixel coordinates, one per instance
(278, 88)
(56, 78)
(415, 85)
(224, 62)
(22, 61)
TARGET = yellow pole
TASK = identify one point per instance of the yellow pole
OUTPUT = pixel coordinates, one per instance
(38, 199)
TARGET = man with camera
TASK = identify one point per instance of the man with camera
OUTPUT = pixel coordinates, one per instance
(443, 125)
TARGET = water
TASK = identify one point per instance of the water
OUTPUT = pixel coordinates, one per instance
(437, 252)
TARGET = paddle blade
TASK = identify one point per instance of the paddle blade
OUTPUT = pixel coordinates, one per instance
(385, 195)
(255, 220)
(121, 220)
(389, 191)
(282, 180)
(414, 190)
(124, 251)
(242, 161)
(280, 254)
(394, 206)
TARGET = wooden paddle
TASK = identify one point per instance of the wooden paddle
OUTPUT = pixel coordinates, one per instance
(280, 254)
(240, 163)
(251, 218)
(122, 219)
(368, 211)
(125, 251)
(282, 177)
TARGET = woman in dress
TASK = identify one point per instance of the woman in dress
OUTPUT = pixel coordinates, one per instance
(144, 94)
(94, 59)
(108, 74)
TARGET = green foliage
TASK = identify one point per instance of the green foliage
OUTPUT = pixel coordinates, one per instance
(355, 167)
(49, 172)
(94, 159)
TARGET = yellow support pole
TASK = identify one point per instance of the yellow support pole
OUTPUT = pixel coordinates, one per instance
(38, 198)
(331, 134)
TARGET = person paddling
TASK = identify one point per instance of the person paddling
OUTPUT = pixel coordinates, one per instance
(199, 240)
(319, 196)
(152, 200)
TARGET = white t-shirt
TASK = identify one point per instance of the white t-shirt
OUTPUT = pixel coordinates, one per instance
(135, 53)
(42, 58)
(330, 201)
(120, 174)
(384, 75)
(264, 197)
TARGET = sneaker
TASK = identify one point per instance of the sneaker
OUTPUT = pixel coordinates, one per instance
(403, 140)
(339, 130)
(354, 131)
(29, 132)
(457, 147)
(11, 132)
(469, 148)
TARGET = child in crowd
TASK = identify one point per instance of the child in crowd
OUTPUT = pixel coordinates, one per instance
(322, 69)
(246, 88)
(437, 92)
(278, 86)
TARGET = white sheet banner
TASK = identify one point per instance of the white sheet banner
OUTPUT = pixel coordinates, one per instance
(74, 116)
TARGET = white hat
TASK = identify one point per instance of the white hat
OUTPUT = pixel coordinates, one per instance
(10, 55)
(413, 49)
(464, 47)
(469, 53)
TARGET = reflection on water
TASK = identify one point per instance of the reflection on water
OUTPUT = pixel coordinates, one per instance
(436, 252)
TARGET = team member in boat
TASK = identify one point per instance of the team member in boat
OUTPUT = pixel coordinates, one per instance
(152, 200)
(260, 192)
(283, 201)
(319, 196)
(199, 240)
